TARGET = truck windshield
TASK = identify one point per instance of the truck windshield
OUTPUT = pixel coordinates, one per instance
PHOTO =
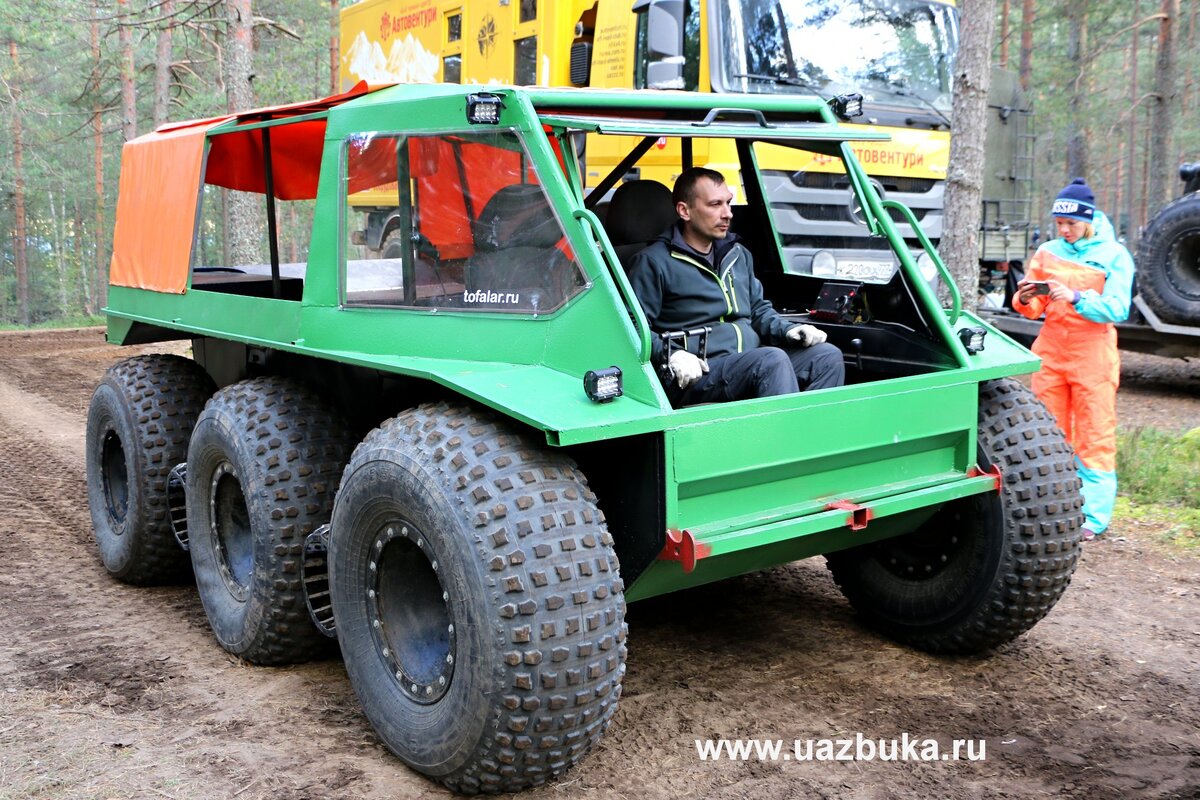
(897, 52)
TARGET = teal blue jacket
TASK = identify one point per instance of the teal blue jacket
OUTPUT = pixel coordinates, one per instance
(1101, 251)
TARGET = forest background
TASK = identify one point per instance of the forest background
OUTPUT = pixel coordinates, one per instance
(78, 79)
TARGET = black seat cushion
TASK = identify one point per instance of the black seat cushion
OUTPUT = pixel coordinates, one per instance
(516, 216)
(638, 212)
(518, 265)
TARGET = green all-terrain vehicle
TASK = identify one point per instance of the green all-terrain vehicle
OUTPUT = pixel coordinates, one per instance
(421, 413)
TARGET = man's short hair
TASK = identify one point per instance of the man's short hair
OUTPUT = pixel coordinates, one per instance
(685, 185)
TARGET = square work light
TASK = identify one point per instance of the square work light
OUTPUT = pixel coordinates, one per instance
(603, 385)
(483, 109)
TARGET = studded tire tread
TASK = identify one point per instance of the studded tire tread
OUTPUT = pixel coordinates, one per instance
(288, 447)
(151, 402)
(1020, 564)
(527, 553)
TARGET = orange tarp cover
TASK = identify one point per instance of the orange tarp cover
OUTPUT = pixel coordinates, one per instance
(156, 209)
(161, 180)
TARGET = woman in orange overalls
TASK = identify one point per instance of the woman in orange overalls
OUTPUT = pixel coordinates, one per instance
(1082, 282)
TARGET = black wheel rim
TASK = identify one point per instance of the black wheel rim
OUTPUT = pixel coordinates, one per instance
(410, 612)
(926, 553)
(115, 477)
(233, 541)
(1184, 261)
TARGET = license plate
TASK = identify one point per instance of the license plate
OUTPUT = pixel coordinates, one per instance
(866, 270)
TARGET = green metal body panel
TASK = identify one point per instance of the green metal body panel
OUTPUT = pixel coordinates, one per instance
(752, 481)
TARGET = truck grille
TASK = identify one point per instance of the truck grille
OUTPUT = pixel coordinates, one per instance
(826, 212)
(827, 180)
(810, 243)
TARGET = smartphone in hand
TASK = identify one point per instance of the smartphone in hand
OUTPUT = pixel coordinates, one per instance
(1039, 287)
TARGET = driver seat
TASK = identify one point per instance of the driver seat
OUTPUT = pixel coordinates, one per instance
(637, 213)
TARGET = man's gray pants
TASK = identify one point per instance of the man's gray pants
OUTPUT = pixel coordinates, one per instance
(763, 372)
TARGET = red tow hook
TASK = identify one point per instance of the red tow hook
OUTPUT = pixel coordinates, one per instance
(994, 472)
(859, 515)
(682, 546)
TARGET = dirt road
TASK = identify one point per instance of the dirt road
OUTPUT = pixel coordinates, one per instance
(108, 691)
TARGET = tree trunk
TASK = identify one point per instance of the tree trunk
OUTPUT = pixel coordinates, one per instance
(335, 60)
(1164, 107)
(162, 64)
(1190, 93)
(959, 246)
(1027, 16)
(1077, 58)
(241, 209)
(85, 279)
(1118, 182)
(1144, 214)
(20, 264)
(100, 273)
(1004, 13)
(1133, 229)
(57, 221)
(128, 87)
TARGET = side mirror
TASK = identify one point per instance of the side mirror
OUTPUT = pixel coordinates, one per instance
(664, 28)
(665, 74)
(664, 42)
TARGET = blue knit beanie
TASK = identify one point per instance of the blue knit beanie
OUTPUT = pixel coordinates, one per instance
(1075, 201)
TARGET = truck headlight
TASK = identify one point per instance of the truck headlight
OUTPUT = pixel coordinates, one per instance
(927, 267)
(824, 264)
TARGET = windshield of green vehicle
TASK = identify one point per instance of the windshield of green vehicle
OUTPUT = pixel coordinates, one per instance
(896, 52)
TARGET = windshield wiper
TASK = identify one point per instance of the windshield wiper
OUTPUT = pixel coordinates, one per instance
(785, 80)
(903, 91)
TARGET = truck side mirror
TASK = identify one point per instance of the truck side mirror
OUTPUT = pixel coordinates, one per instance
(664, 42)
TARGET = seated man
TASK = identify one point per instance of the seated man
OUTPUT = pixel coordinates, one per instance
(697, 274)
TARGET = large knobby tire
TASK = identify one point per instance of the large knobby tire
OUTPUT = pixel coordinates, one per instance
(1168, 262)
(986, 568)
(263, 468)
(139, 422)
(477, 598)
(394, 245)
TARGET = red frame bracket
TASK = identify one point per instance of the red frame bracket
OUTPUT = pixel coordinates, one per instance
(994, 472)
(682, 546)
(859, 515)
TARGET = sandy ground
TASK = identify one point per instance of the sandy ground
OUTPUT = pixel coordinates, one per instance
(108, 691)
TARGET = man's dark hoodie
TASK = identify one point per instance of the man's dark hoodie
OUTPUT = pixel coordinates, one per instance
(680, 289)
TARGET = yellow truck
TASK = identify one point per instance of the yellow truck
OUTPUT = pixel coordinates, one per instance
(898, 54)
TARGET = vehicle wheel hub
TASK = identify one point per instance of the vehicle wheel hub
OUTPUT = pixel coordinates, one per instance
(410, 613)
(230, 531)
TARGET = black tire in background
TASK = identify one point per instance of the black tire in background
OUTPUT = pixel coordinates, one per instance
(478, 600)
(263, 468)
(986, 568)
(1168, 262)
(393, 245)
(140, 419)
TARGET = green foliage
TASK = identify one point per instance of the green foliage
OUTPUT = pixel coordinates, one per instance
(1159, 478)
(1108, 99)
(75, 321)
(59, 83)
(1178, 529)
(1157, 467)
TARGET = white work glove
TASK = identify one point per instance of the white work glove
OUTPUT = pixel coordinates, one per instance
(805, 335)
(687, 367)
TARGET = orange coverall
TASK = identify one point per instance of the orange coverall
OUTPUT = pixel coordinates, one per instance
(1078, 347)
